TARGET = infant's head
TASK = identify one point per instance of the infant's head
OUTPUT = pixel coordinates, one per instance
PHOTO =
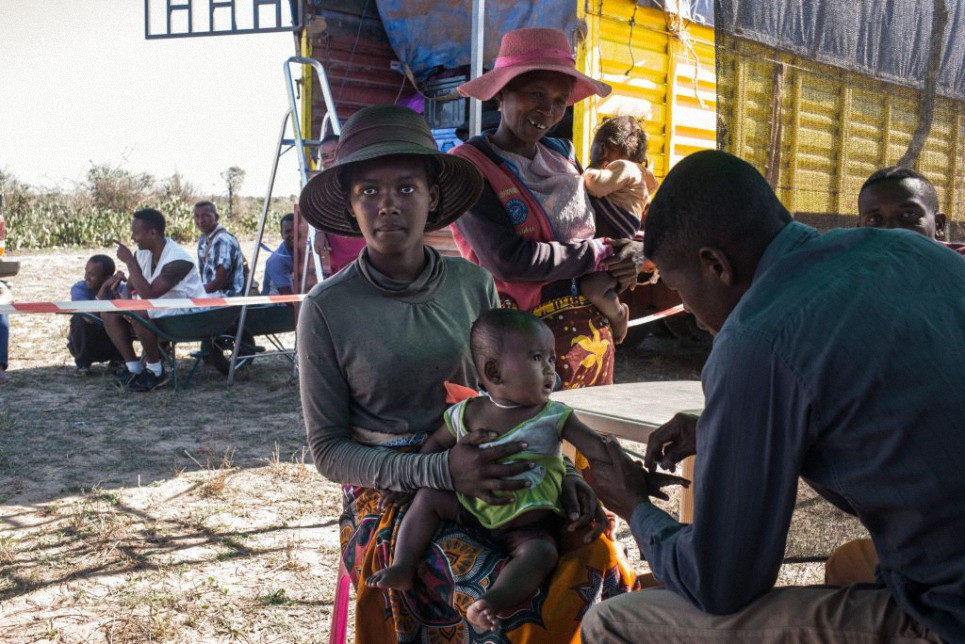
(514, 354)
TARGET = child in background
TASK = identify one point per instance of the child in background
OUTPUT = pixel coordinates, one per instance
(618, 165)
(513, 353)
(897, 197)
(618, 172)
(87, 340)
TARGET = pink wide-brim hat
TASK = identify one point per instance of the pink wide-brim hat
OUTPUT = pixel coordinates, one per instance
(528, 50)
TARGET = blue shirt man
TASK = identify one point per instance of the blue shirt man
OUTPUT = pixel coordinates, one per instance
(279, 267)
(831, 362)
(87, 340)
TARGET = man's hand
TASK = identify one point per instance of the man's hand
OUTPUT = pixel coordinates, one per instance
(626, 262)
(582, 507)
(124, 253)
(672, 442)
(110, 285)
(656, 481)
(479, 473)
(621, 483)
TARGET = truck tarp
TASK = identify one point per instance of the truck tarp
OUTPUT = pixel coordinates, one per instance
(431, 34)
(887, 39)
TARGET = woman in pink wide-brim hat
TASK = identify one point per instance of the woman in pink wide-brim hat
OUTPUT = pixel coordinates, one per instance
(535, 228)
(526, 50)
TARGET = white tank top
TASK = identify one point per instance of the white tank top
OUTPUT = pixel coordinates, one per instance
(189, 286)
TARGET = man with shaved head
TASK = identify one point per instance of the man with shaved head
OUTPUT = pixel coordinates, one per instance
(831, 362)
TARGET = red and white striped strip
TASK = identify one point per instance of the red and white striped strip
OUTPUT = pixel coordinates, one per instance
(115, 306)
(666, 313)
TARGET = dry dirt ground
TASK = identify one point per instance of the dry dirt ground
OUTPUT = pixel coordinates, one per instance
(188, 516)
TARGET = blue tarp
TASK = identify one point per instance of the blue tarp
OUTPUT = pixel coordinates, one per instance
(429, 34)
(889, 39)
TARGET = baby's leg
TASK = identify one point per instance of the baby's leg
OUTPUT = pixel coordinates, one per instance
(600, 289)
(419, 525)
(531, 562)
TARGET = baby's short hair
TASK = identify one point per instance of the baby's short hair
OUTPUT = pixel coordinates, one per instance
(491, 328)
(623, 133)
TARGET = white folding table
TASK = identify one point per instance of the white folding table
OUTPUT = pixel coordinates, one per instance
(633, 410)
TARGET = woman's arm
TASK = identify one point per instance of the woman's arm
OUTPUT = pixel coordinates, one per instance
(511, 258)
(326, 396)
(438, 441)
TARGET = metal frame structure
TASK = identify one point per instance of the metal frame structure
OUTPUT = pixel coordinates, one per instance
(303, 146)
(476, 62)
(188, 8)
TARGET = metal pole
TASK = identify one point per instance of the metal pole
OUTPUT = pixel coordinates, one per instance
(332, 119)
(254, 254)
(476, 66)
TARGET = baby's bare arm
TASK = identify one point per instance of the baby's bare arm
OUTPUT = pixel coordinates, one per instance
(586, 440)
(438, 441)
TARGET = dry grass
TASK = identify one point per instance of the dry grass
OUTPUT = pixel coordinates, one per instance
(185, 516)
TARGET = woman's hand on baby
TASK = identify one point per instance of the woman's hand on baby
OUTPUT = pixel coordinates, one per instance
(626, 262)
(478, 472)
(393, 497)
(582, 507)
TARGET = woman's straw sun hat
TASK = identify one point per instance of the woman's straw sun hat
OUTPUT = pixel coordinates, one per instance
(527, 50)
(384, 131)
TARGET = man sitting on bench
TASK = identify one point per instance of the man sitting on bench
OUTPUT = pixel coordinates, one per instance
(220, 260)
(87, 339)
(159, 269)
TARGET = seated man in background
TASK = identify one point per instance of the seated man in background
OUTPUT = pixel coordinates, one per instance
(220, 260)
(339, 250)
(310, 275)
(159, 269)
(902, 198)
(831, 362)
(890, 198)
(279, 267)
(87, 340)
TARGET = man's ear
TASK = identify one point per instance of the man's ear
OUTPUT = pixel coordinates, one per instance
(716, 264)
(940, 222)
(434, 197)
(491, 371)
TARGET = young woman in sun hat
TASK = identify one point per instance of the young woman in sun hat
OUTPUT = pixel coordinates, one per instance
(535, 227)
(376, 342)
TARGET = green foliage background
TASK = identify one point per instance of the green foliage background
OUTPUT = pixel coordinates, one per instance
(99, 209)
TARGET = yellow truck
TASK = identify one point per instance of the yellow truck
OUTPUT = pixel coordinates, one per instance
(816, 127)
(815, 122)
